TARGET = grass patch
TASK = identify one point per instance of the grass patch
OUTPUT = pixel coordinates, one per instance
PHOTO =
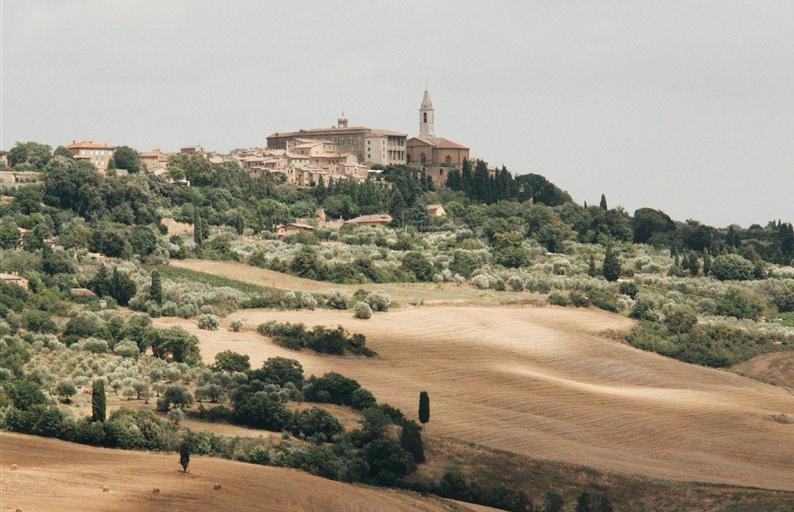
(187, 275)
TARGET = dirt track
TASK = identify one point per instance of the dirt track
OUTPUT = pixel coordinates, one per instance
(57, 476)
(537, 381)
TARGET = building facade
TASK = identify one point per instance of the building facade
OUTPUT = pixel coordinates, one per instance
(434, 154)
(369, 145)
(90, 151)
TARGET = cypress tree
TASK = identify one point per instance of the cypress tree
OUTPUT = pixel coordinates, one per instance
(591, 269)
(611, 267)
(411, 441)
(424, 407)
(706, 262)
(198, 229)
(692, 264)
(184, 455)
(603, 203)
(156, 290)
(239, 221)
(98, 401)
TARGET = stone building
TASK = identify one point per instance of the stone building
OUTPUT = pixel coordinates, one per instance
(430, 152)
(369, 145)
(90, 151)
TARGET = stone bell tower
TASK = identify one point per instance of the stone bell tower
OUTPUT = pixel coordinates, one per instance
(426, 117)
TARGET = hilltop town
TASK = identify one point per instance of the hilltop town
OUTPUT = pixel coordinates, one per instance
(304, 157)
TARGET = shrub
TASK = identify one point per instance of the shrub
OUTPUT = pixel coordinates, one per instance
(741, 303)
(279, 371)
(578, 298)
(604, 299)
(557, 298)
(611, 265)
(175, 396)
(24, 394)
(628, 288)
(362, 399)
(362, 310)
(314, 421)
(732, 267)
(229, 361)
(680, 320)
(94, 345)
(337, 300)
(260, 410)
(378, 301)
(411, 441)
(332, 388)
(209, 322)
(418, 265)
(236, 325)
(387, 460)
(127, 348)
(173, 343)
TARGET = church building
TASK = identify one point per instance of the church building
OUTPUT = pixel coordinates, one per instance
(431, 152)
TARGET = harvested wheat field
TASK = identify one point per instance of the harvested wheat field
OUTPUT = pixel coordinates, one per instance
(540, 382)
(776, 368)
(429, 293)
(53, 475)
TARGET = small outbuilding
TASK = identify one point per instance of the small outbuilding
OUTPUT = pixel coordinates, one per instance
(292, 228)
(435, 210)
(379, 219)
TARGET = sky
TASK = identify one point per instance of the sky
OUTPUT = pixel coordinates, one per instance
(687, 107)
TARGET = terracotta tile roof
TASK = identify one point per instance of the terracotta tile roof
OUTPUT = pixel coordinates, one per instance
(87, 144)
(441, 143)
(331, 131)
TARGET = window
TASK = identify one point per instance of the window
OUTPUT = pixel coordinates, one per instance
(422, 157)
(424, 115)
(448, 160)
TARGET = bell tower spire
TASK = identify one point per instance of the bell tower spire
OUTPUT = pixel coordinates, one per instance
(426, 116)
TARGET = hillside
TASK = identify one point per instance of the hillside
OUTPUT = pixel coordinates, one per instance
(55, 476)
(539, 382)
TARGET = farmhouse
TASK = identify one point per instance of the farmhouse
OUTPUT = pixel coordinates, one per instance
(291, 228)
(14, 278)
(90, 151)
(435, 210)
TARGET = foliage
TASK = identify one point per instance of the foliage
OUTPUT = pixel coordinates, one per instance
(731, 267)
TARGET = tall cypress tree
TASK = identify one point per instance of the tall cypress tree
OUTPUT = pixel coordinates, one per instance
(424, 407)
(98, 401)
(611, 267)
(184, 454)
(706, 262)
(603, 203)
(198, 229)
(156, 290)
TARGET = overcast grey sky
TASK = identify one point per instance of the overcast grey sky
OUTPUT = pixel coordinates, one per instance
(683, 106)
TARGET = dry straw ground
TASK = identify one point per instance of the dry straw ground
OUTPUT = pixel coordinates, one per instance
(53, 475)
(540, 382)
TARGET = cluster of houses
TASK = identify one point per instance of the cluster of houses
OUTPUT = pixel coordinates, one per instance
(308, 156)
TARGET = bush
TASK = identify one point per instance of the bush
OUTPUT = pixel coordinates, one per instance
(209, 322)
(630, 289)
(279, 371)
(557, 298)
(387, 460)
(260, 410)
(175, 396)
(332, 388)
(229, 361)
(314, 421)
(378, 301)
(578, 299)
(680, 320)
(127, 348)
(418, 265)
(604, 299)
(732, 267)
(362, 311)
(741, 303)
(236, 325)
(337, 300)
(93, 345)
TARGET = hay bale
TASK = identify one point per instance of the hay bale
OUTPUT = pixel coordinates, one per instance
(217, 486)
(156, 491)
(105, 488)
(14, 467)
